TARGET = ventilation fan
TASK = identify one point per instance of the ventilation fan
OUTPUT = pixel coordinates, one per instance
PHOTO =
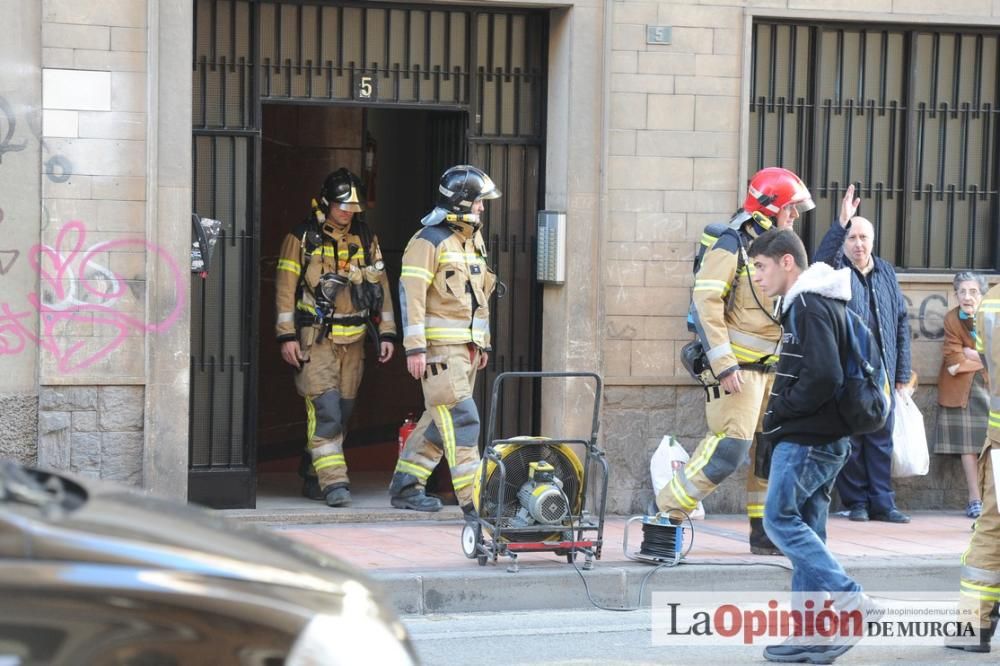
(542, 488)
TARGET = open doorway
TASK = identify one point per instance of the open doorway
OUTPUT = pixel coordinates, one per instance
(399, 154)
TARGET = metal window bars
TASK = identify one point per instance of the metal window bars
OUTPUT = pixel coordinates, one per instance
(907, 112)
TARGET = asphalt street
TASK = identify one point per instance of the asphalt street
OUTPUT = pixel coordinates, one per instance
(602, 637)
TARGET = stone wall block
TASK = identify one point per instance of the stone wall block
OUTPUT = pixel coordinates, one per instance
(670, 112)
(652, 358)
(624, 444)
(102, 157)
(114, 125)
(660, 397)
(621, 142)
(67, 398)
(19, 437)
(124, 13)
(57, 58)
(121, 457)
(650, 62)
(690, 420)
(51, 422)
(628, 111)
(617, 357)
(85, 422)
(624, 327)
(642, 83)
(54, 447)
(128, 39)
(85, 453)
(660, 422)
(624, 62)
(121, 408)
(71, 36)
(624, 397)
(636, 201)
(635, 12)
(667, 328)
(624, 273)
(623, 226)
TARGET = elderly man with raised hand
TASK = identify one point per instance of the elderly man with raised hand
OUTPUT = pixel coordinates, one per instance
(865, 484)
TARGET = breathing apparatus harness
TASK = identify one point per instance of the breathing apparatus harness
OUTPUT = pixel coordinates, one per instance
(693, 355)
(364, 282)
(453, 220)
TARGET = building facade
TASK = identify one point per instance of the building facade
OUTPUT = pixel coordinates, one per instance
(641, 121)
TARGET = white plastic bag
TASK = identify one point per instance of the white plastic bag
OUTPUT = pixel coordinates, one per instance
(909, 441)
(669, 457)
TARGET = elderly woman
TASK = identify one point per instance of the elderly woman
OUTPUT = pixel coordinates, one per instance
(962, 386)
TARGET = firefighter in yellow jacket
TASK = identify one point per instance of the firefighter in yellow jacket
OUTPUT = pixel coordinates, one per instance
(444, 291)
(979, 587)
(331, 290)
(740, 333)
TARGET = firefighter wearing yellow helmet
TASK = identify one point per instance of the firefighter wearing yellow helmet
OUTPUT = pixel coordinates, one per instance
(330, 287)
(444, 291)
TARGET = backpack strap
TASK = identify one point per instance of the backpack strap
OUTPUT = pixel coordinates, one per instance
(855, 344)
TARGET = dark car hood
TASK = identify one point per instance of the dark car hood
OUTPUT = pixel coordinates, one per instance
(116, 526)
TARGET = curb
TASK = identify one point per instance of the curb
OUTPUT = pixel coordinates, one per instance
(552, 586)
(329, 516)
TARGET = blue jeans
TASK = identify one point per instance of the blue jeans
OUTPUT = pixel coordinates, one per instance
(798, 501)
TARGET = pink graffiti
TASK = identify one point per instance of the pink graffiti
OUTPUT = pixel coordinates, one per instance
(77, 289)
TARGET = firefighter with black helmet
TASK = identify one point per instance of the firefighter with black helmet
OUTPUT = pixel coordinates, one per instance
(444, 291)
(740, 334)
(331, 290)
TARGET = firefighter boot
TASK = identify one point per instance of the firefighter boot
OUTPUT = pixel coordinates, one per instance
(310, 482)
(984, 635)
(470, 514)
(760, 544)
(337, 495)
(415, 498)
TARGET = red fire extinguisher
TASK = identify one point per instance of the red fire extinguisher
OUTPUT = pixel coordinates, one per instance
(409, 425)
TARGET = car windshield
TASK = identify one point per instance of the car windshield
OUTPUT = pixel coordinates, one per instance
(19, 485)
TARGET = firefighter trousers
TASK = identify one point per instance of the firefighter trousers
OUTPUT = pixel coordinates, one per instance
(980, 575)
(733, 420)
(329, 383)
(448, 427)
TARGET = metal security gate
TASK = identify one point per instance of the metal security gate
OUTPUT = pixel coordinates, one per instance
(489, 64)
(909, 112)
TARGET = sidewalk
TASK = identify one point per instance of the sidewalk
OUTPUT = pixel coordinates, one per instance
(423, 570)
(418, 557)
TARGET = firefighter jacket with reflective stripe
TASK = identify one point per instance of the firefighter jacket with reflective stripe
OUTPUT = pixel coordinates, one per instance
(734, 316)
(444, 288)
(988, 345)
(300, 266)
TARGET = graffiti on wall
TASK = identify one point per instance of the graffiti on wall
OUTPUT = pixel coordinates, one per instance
(927, 318)
(58, 167)
(77, 288)
(8, 124)
(7, 257)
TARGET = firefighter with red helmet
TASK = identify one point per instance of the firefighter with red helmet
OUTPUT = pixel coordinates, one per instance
(444, 291)
(740, 334)
(331, 289)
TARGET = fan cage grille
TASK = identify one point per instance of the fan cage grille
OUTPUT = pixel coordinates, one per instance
(516, 464)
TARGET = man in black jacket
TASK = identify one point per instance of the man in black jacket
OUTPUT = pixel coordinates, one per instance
(810, 439)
